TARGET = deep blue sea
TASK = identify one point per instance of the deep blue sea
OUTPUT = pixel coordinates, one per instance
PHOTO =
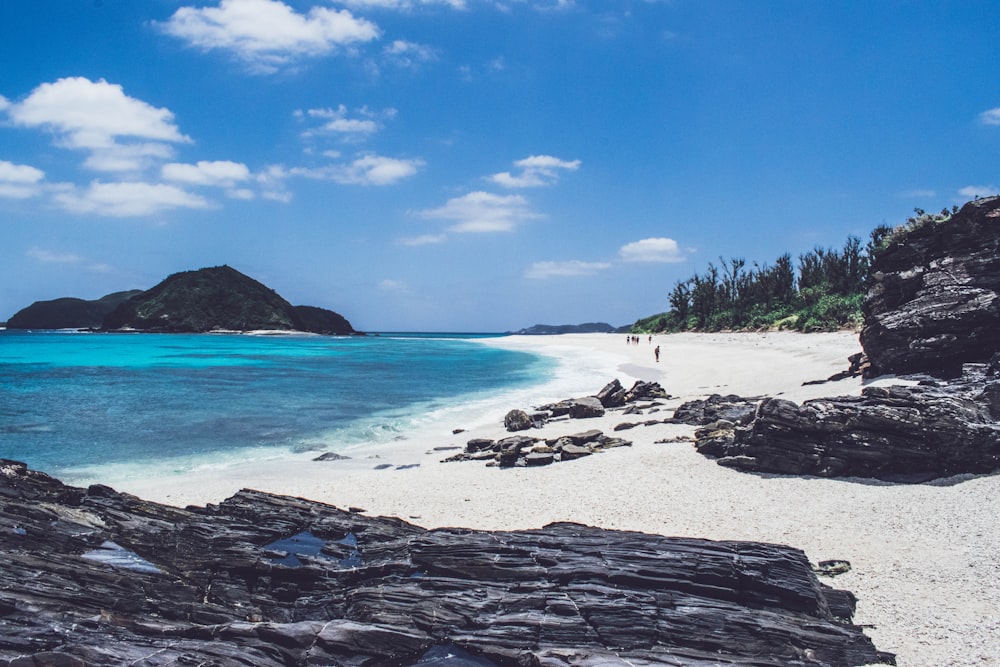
(72, 401)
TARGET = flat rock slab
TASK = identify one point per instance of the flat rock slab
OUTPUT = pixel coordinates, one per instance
(269, 580)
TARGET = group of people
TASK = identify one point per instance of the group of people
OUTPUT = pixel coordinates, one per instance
(634, 340)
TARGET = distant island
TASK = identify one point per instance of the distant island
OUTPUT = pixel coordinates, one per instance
(68, 312)
(548, 329)
(211, 299)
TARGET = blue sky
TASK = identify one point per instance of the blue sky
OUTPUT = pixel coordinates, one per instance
(475, 165)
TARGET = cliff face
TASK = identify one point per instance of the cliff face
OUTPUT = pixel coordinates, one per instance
(218, 298)
(68, 312)
(935, 299)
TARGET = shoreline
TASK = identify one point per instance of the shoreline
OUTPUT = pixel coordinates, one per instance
(925, 567)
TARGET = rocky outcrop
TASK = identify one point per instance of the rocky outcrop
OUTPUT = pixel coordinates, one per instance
(524, 451)
(934, 302)
(68, 312)
(93, 577)
(731, 408)
(219, 298)
(898, 433)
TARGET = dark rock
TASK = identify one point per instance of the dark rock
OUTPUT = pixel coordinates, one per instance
(331, 456)
(569, 451)
(644, 391)
(934, 303)
(832, 568)
(517, 420)
(479, 445)
(900, 433)
(731, 408)
(537, 458)
(384, 592)
(585, 408)
(68, 312)
(218, 298)
(612, 395)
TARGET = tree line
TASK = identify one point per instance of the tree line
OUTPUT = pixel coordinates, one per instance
(823, 291)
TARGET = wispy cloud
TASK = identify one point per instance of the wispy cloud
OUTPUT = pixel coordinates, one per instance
(482, 212)
(343, 124)
(50, 257)
(19, 181)
(402, 53)
(121, 133)
(401, 4)
(575, 267)
(390, 285)
(365, 170)
(990, 117)
(268, 35)
(424, 239)
(220, 173)
(128, 199)
(979, 191)
(662, 250)
(535, 171)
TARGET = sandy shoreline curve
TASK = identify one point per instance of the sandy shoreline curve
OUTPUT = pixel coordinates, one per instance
(926, 567)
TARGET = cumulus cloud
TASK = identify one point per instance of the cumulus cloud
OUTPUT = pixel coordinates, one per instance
(483, 212)
(661, 250)
(990, 117)
(129, 199)
(535, 171)
(574, 267)
(365, 170)
(4, 103)
(975, 191)
(220, 173)
(268, 34)
(19, 181)
(120, 132)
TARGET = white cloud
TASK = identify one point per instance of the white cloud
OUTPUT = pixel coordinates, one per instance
(661, 250)
(483, 212)
(93, 114)
(390, 285)
(122, 133)
(365, 170)
(400, 4)
(408, 54)
(19, 181)
(4, 103)
(220, 173)
(536, 171)
(272, 183)
(979, 191)
(339, 123)
(49, 257)
(129, 199)
(990, 117)
(575, 267)
(268, 34)
(425, 239)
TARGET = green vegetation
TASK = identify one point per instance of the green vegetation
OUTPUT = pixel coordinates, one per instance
(823, 292)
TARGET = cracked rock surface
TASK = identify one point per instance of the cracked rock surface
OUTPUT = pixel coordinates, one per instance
(95, 577)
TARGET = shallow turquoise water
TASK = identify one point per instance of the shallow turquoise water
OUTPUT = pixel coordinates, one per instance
(70, 400)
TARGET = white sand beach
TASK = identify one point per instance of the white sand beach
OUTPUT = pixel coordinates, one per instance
(926, 562)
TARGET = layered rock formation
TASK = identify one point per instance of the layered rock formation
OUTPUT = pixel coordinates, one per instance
(219, 298)
(934, 303)
(94, 577)
(933, 311)
(68, 312)
(898, 433)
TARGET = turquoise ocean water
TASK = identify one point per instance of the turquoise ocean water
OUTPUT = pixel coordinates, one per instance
(72, 402)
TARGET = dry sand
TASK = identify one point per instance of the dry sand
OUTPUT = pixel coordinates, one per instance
(926, 562)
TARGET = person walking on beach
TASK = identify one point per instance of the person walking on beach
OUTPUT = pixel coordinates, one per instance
(656, 353)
